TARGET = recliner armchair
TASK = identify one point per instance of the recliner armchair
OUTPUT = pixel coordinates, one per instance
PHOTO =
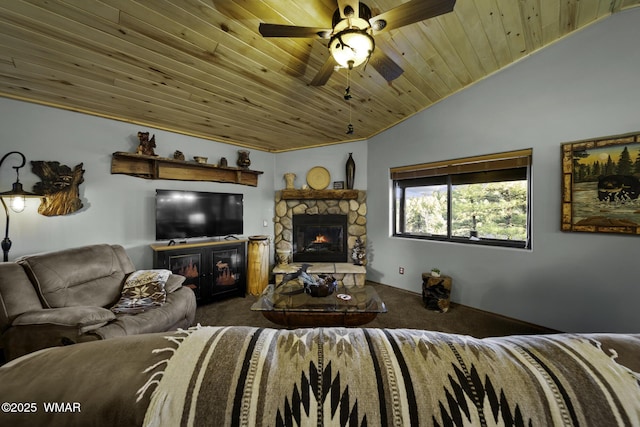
(65, 297)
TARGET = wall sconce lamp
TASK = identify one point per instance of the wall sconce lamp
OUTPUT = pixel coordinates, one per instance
(16, 201)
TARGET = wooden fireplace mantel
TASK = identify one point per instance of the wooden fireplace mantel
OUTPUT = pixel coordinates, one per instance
(319, 194)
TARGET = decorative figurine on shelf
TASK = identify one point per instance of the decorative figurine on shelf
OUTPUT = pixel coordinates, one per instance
(200, 159)
(178, 155)
(146, 145)
(359, 253)
(243, 159)
(223, 162)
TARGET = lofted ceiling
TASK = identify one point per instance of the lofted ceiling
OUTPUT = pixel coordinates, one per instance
(201, 68)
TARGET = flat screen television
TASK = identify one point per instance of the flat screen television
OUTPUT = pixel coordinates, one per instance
(189, 214)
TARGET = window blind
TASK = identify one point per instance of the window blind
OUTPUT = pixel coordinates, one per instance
(468, 165)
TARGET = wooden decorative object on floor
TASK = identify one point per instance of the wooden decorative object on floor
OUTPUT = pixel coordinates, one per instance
(436, 292)
(257, 264)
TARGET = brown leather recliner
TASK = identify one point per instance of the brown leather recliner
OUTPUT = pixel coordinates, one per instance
(64, 297)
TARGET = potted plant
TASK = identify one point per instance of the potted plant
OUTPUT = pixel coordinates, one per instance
(435, 272)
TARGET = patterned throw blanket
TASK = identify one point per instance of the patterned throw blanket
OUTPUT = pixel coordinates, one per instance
(246, 376)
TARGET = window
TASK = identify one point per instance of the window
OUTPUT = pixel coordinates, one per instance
(478, 200)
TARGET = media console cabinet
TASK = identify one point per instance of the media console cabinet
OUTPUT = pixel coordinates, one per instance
(213, 269)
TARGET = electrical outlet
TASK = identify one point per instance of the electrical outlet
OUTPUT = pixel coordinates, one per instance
(401, 270)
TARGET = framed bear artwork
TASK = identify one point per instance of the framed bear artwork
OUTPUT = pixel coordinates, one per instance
(601, 185)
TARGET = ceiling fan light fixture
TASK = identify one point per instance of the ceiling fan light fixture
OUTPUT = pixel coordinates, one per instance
(351, 43)
(379, 25)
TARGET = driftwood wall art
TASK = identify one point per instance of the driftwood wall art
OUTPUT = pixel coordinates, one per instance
(60, 187)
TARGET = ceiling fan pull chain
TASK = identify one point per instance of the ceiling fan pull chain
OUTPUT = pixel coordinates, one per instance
(347, 97)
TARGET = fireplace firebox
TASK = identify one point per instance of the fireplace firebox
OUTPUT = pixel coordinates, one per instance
(320, 238)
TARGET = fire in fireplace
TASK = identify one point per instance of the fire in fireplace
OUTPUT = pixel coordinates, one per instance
(320, 238)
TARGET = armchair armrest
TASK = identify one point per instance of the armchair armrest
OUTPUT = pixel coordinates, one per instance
(85, 318)
(174, 282)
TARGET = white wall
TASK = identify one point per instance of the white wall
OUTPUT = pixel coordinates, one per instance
(120, 208)
(117, 208)
(333, 158)
(585, 86)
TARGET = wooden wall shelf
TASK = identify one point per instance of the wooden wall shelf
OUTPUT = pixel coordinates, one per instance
(152, 167)
(319, 194)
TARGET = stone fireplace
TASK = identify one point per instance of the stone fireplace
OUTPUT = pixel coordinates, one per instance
(336, 217)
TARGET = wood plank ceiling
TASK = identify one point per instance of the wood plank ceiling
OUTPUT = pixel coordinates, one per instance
(201, 68)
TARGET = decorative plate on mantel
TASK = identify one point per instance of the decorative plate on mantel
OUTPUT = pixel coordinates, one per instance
(318, 178)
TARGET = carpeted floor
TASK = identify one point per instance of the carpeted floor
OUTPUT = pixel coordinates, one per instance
(404, 310)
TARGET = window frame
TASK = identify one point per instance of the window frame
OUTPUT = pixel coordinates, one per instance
(510, 163)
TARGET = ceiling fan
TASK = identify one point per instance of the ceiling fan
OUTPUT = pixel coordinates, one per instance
(351, 41)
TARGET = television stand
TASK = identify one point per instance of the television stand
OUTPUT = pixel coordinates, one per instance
(213, 269)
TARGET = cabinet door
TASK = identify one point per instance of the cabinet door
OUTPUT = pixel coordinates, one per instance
(228, 270)
(188, 264)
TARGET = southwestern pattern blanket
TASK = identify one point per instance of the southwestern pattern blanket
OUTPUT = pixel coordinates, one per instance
(244, 376)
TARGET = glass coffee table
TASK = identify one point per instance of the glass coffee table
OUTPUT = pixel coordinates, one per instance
(353, 306)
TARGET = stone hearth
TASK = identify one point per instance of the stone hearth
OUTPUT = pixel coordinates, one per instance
(320, 203)
(346, 274)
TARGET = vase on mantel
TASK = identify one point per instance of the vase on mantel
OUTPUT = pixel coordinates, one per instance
(350, 169)
(289, 178)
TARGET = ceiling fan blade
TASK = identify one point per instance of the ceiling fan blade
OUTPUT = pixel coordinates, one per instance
(325, 72)
(384, 65)
(276, 30)
(354, 5)
(411, 12)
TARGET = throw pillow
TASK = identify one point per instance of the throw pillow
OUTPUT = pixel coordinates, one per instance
(143, 289)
